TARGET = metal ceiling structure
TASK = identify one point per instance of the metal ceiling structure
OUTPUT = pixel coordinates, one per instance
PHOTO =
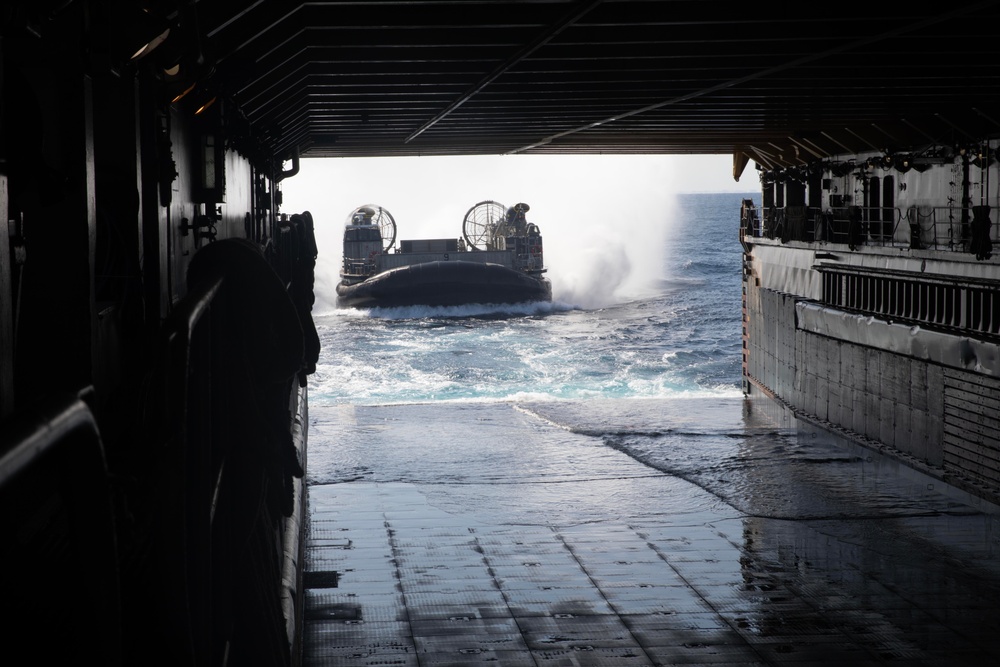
(780, 83)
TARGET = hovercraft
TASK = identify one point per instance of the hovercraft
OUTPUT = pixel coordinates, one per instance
(497, 260)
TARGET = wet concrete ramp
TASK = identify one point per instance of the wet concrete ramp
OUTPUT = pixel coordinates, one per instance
(629, 533)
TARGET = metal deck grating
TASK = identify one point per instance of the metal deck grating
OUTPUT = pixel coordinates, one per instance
(433, 574)
(414, 591)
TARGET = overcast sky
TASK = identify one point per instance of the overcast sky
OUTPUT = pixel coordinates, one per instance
(603, 217)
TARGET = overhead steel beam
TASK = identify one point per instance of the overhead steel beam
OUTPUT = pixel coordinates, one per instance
(805, 59)
(543, 39)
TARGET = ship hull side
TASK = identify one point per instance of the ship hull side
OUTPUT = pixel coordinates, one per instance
(926, 395)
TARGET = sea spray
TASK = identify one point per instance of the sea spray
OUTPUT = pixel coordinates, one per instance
(327, 275)
(614, 255)
(589, 274)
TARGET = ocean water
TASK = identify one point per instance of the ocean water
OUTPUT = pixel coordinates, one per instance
(652, 313)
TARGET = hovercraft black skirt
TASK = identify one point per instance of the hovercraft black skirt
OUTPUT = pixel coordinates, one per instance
(444, 283)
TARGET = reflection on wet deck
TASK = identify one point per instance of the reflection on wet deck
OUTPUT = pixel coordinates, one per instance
(579, 553)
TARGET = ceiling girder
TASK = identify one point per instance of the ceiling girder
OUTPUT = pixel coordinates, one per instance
(783, 83)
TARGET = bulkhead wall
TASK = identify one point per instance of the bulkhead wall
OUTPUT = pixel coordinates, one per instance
(927, 397)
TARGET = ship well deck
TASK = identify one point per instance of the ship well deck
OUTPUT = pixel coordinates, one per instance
(634, 533)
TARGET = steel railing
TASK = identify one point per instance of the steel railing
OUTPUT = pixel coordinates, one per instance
(59, 548)
(917, 227)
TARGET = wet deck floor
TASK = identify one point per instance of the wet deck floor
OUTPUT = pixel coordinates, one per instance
(645, 533)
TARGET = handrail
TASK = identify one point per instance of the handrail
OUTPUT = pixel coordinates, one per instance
(60, 528)
(191, 309)
(188, 477)
(961, 307)
(178, 331)
(27, 439)
(923, 277)
(917, 227)
(222, 473)
(199, 493)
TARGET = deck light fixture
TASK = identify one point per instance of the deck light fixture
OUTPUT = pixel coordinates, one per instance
(144, 32)
(179, 96)
(174, 56)
(204, 106)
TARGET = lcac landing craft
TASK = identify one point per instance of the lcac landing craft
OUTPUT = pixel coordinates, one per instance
(498, 259)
